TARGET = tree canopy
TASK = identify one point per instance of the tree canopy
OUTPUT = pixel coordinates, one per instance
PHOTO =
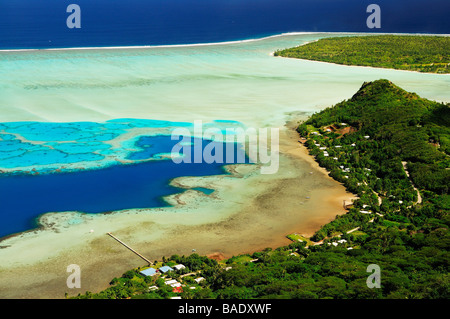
(406, 52)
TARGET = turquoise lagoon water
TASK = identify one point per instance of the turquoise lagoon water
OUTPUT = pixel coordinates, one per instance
(204, 190)
(32, 187)
(69, 110)
(43, 146)
(238, 81)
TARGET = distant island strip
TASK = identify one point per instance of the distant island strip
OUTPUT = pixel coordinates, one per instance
(429, 54)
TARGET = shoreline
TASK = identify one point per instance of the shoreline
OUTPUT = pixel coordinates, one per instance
(363, 66)
(175, 45)
(235, 219)
(356, 66)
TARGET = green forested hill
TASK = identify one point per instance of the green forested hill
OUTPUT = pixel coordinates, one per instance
(406, 52)
(370, 143)
(401, 126)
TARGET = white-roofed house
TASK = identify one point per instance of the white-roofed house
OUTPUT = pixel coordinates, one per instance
(148, 272)
(165, 269)
(179, 267)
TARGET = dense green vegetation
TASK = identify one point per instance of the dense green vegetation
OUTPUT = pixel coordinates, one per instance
(390, 126)
(413, 53)
(366, 143)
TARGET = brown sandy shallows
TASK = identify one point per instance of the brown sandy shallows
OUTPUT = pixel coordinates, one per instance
(248, 212)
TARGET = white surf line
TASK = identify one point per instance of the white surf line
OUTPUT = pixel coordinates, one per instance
(213, 43)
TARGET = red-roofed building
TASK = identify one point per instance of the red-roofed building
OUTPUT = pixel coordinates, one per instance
(177, 290)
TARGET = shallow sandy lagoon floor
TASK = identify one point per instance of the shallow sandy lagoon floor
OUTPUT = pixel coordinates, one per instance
(235, 81)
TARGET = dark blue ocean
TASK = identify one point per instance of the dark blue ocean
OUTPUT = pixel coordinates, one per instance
(23, 198)
(42, 23)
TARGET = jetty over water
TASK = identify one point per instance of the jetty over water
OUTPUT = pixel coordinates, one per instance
(134, 251)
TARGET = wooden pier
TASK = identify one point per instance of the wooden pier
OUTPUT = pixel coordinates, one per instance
(134, 251)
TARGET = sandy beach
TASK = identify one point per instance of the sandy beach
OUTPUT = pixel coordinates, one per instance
(248, 212)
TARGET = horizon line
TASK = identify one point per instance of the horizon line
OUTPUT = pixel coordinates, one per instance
(218, 43)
